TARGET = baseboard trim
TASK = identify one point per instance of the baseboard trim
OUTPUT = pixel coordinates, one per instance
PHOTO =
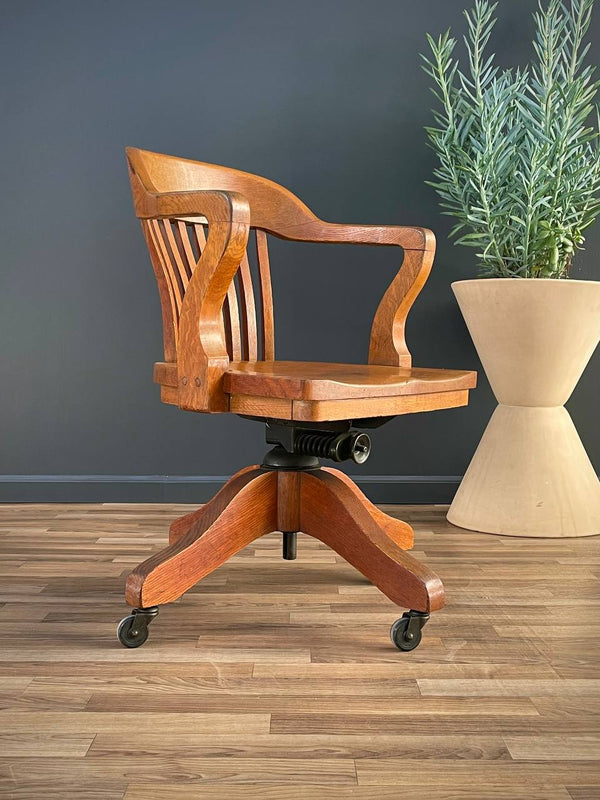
(199, 488)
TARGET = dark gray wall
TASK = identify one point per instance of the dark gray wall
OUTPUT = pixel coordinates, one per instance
(324, 96)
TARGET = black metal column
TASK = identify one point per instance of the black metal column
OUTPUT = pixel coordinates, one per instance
(289, 545)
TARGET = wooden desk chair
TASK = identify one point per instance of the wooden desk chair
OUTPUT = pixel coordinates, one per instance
(220, 357)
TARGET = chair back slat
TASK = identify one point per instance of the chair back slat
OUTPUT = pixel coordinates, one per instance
(170, 314)
(232, 324)
(266, 297)
(178, 260)
(157, 230)
(182, 235)
(200, 235)
(247, 311)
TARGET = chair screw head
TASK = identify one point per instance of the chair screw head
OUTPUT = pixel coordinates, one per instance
(184, 381)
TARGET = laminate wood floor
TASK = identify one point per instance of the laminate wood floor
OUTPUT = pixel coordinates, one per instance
(277, 680)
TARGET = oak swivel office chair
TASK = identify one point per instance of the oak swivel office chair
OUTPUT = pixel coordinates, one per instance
(219, 357)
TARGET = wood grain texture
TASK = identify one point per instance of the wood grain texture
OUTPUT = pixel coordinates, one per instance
(232, 323)
(247, 311)
(319, 703)
(288, 501)
(170, 314)
(335, 391)
(400, 532)
(245, 509)
(336, 514)
(306, 380)
(266, 297)
(261, 406)
(388, 341)
(326, 410)
(208, 513)
(321, 410)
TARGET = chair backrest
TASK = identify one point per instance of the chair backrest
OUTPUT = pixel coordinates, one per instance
(176, 244)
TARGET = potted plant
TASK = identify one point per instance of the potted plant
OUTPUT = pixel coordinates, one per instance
(519, 170)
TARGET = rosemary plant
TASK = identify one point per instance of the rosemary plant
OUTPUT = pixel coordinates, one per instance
(519, 159)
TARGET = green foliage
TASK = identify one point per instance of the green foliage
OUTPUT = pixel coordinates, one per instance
(519, 160)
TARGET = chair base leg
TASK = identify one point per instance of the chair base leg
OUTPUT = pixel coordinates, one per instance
(244, 510)
(336, 512)
(323, 503)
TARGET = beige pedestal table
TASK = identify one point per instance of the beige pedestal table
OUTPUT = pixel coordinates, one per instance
(530, 475)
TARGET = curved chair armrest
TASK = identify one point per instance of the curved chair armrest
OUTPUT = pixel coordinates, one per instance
(409, 238)
(388, 337)
(387, 344)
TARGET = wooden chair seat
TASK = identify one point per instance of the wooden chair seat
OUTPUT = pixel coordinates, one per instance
(313, 380)
(315, 392)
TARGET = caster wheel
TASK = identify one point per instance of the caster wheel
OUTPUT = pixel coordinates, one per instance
(406, 631)
(401, 637)
(130, 634)
(133, 630)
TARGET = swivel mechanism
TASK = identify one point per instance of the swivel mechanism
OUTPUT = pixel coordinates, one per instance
(332, 440)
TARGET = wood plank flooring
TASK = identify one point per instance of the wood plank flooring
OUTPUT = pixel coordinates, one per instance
(277, 680)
